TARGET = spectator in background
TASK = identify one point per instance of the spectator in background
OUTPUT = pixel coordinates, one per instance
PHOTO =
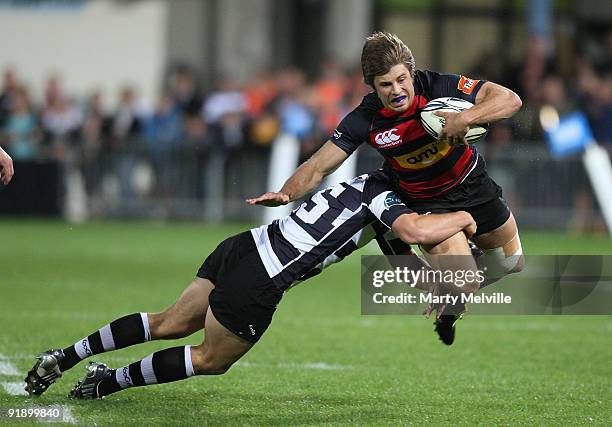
(185, 91)
(125, 130)
(93, 135)
(126, 124)
(10, 85)
(294, 112)
(595, 97)
(61, 120)
(163, 133)
(260, 94)
(329, 92)
(21, 134)
(224, 111)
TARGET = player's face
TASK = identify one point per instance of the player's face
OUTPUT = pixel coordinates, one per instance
(395, 88)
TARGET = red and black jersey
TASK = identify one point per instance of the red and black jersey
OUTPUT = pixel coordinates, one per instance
(422, 166)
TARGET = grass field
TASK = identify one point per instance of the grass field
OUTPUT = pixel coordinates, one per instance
(321, 362)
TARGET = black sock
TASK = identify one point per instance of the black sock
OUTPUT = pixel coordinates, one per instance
(123, 332)
(171, 364)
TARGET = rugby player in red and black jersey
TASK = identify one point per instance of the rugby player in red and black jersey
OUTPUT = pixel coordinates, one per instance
(429, 175)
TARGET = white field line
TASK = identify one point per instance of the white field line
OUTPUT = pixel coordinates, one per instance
(16, 388)
(315, 365)
(7, 368)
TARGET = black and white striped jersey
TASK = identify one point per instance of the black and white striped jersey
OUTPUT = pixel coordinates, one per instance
(327, 227)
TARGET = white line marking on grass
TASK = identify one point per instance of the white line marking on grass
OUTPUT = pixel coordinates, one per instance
(67, 416)
(14, 388)
(316, 365)
(7, 368)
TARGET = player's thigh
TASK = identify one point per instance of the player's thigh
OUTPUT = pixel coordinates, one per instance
(187, 314)
(506, 237)
(453, 254)
(220, 350)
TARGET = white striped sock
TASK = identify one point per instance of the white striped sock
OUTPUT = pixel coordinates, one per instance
(107, 338)
(123, 378)
(146, 368)
(82, 348)
(145, 324)
(188, 363)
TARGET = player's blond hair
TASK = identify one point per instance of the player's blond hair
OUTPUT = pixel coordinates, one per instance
(381, 51)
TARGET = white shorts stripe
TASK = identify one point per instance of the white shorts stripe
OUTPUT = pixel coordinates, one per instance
(471, 170)
(145, 324)
(188, 363)
(266, 253)
(146, 368)
(107, 338)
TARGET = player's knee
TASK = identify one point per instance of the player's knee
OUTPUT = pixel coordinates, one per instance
(164, 325)
(498, 264)
(205, 363)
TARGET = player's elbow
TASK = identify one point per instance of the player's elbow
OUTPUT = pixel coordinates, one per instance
(514, 101)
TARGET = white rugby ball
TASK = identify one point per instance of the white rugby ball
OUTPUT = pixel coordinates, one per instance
(433, 124)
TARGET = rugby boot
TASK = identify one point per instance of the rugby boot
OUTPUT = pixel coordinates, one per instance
(44, 373)
(445, 327)
(88, 388)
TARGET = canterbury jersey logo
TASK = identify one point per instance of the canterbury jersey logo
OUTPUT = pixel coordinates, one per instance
(387, 137)
(424, 156)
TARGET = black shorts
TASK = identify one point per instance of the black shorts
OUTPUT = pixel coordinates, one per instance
(244, 298)
(478, 194)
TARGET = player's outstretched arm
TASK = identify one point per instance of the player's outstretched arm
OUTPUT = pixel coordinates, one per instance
(432, 229)
(6, 167)
(306, 178)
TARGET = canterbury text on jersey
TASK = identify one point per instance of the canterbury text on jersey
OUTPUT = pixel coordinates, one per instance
(422, 166)
(327, 227)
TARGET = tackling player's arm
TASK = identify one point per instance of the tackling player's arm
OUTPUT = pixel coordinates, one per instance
(306, 178)
(493, 103)
(6, 167)
(432, 229)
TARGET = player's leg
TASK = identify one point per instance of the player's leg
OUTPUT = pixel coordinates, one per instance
(243, 301)
(502, 251)
(219, 351)
(181, 319)
(453, 254)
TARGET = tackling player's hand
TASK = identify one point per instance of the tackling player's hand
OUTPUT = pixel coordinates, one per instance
(438, 308)
(270, 199)
(470, 229)
(6, 167)
(455, 128)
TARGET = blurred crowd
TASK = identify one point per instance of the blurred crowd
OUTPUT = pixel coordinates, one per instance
(229, 117)
(185, 121)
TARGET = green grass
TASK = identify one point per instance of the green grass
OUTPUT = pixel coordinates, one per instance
(321, 362)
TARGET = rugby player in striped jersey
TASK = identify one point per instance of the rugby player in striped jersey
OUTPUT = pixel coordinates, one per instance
(238, 287)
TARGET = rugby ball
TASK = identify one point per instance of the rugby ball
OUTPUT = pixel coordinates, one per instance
(433, 124)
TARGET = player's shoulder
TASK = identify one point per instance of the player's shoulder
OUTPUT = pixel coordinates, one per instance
(427, 81)
(370, 104)
(375, 183)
